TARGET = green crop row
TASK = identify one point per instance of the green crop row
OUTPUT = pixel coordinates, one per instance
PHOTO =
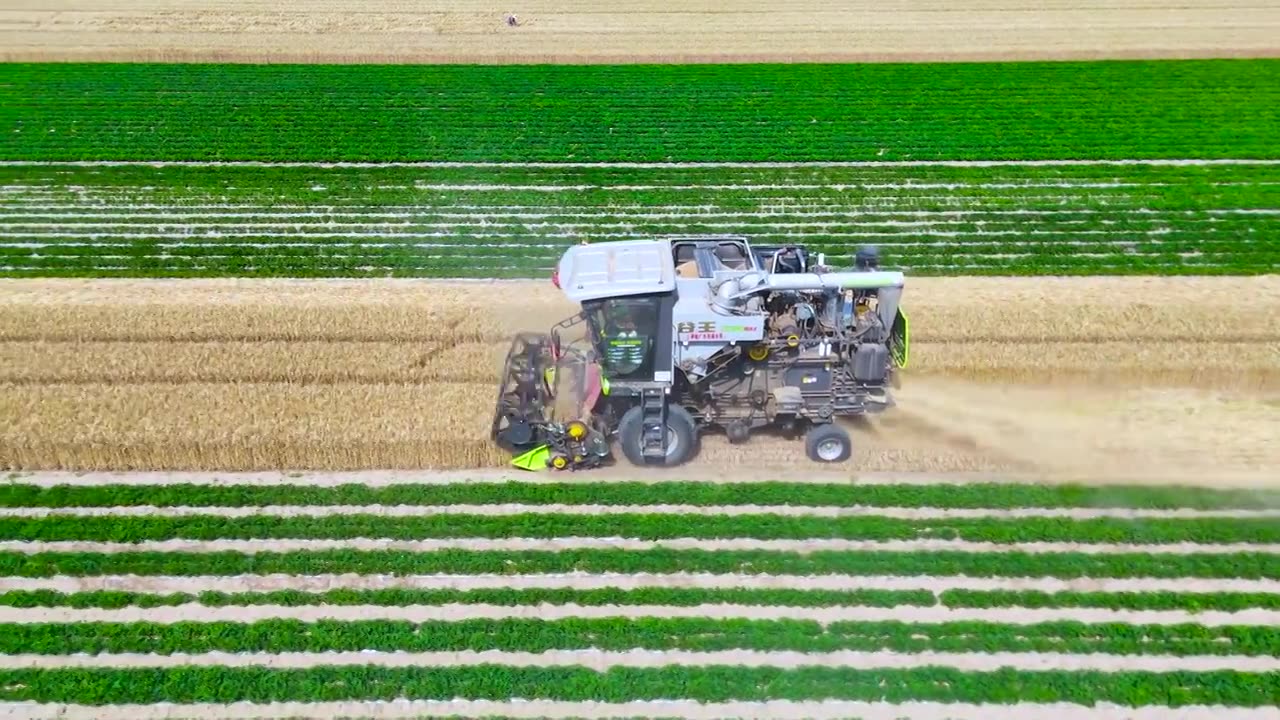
(102, 686)
(1192, 108)
(678, 597)
(618, 634)
(546, 185)
(469, 562)
(612, 197)
(685, 597)
(927, 220)
(644, 526)
(961, 496)
(318, 254)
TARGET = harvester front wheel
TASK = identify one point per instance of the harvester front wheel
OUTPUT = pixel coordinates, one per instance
(828, 443)
(682, 436)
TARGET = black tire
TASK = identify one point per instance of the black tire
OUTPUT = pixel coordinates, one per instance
(682, 436)
(828, 443)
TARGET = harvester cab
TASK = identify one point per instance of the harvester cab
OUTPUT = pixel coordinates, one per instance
(680, 336)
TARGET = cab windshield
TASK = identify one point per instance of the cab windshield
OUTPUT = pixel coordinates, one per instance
(623, 332)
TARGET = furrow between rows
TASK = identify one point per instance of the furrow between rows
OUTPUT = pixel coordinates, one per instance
(460, 612)
(627, 581)
(604, 660)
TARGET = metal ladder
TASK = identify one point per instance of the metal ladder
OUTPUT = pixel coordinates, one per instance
(653, 408)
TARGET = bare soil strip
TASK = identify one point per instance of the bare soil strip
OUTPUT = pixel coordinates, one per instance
(651, 31)
(558, 544)
(691, 710)
(603, 660)
(507, 509)
(818, 475)
(162, 584)
(460, 612)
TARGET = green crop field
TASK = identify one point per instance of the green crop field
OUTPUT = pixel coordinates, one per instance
(675, 598)
(1022, 168)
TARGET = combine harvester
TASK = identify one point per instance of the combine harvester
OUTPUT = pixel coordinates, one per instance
(679, 336)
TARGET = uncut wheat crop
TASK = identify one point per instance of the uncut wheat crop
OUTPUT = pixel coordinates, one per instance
(129, 597)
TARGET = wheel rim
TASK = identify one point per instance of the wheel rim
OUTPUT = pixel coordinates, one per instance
(830, 449)
(673, 442)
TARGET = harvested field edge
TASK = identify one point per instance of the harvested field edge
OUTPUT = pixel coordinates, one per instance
(101, 686)
(1177, 533)
(1236, 565)
(618, 635)
(657, 596)
(62, 491)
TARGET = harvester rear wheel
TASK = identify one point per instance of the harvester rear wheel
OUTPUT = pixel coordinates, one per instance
(682, 436)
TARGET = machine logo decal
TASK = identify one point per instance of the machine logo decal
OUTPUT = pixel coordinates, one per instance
(707, 330)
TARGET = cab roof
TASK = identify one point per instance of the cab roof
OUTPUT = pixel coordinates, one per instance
(616, 269)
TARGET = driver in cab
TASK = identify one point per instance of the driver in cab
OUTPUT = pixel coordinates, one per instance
(624, 349)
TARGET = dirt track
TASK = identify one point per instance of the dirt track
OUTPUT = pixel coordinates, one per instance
(576, 31)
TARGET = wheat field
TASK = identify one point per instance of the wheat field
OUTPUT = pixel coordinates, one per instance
(335, 374)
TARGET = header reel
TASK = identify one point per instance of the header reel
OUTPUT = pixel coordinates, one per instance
(542, 414)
